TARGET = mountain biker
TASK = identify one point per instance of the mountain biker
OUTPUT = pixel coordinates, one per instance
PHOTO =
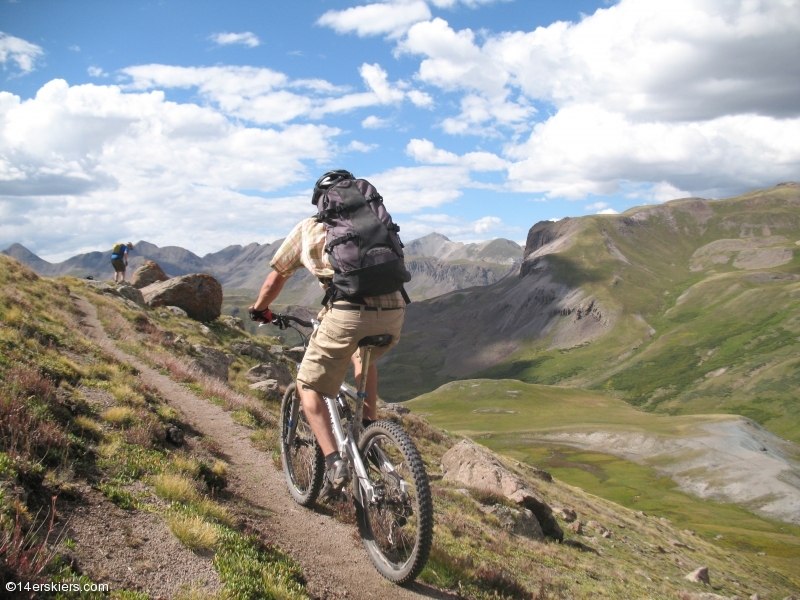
(119, 260)
(335, 343)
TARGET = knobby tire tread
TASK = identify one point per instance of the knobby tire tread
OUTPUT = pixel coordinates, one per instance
(309, 496)
(424, 506)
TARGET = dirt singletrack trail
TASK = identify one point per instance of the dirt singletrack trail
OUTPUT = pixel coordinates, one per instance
(334, 562)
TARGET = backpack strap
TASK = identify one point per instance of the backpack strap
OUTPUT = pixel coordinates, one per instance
(403, 292)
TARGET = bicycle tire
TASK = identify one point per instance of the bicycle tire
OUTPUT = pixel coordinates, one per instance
(303, 462)
(397, 531)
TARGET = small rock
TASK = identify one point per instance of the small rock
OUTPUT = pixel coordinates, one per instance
(688, 532)
(204, 330)
(276, 350)
(519, 522)
(177, 311)
(400, 409)
(175, 435)
(761, 553)
(719, 537)
(232, 322)
(699, 575)
(296, 353)
(211, 361)
(567, 514)
(576, 527)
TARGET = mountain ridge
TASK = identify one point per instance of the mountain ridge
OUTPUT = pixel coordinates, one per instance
(441, 265)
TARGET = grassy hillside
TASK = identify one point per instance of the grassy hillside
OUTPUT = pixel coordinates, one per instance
(95, 433)
(690, 307)
(709, 304)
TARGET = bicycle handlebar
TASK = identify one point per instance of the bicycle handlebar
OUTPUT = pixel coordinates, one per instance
(282, 321)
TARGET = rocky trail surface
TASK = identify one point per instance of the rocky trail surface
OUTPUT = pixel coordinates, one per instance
(334, 562)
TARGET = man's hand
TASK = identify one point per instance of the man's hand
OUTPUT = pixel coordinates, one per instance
(261, 316)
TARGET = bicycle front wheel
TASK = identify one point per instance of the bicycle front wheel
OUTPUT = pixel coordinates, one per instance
(397, 528)
(301, 457)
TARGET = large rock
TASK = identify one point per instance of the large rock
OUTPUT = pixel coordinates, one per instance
(211, 361)
(129, 292)
(148, 274)
(269, 388)
(249, 348)
(200, 295)
(270, 370)
(474, 466)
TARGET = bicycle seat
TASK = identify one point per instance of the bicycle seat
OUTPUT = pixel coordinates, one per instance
(379, 341)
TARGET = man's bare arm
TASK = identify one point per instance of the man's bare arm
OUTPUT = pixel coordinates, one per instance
(270, 290)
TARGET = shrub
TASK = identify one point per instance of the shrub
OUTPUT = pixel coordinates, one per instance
(193, 532)
(176, 488)
(120, 416)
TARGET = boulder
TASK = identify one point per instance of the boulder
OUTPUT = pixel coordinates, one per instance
(476, 467)
(211, 361)
(263, 372)
(249, 348)
(147, 274)
(699, 575)
(127, 291)
(518, 521)
(269, 388)
(200, 295)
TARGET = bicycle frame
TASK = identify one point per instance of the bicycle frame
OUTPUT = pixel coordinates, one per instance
(347, 440)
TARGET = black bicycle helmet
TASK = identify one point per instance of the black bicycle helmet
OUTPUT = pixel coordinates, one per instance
(326, 181)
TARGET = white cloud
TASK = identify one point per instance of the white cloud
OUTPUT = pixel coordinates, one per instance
(247, 38)
(373, 122)
(19, 51)
(96, 72)
(455, 229)
(384, 18)
(357, 146)
(424, 151)
(84, 164)
(74, 48)
(607, 211)
(409, 189)
(264, 96)
(587, 150)
(596, 206)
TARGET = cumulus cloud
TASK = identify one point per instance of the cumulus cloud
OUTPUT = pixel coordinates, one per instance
(264, 96)
(89, 161)
(456, 229)
(373, 122)
(96, 72)
(409, 189)
(385, 18)
(585, 149)
(424, 151)
(16, 50)
(697, 97)
(247, 38)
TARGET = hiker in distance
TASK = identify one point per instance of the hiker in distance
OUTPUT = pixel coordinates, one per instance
(119, 260)
(351, 246)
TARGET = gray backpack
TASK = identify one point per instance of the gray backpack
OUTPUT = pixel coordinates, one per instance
(362, 242)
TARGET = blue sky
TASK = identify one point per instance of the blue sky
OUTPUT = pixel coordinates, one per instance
(204, 124)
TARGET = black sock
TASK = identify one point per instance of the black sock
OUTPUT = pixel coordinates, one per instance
(332, 458)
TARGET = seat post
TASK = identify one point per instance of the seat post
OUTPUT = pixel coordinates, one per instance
(364, 354)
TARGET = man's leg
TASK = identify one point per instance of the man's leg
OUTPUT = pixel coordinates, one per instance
(316, 412)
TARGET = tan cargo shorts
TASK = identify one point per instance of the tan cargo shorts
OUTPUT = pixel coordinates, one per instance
(332, 345)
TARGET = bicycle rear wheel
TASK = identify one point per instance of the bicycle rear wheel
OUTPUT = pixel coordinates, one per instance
(397, 529)
(302, 459)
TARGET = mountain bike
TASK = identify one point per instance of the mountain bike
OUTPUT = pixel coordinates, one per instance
(389, 485)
